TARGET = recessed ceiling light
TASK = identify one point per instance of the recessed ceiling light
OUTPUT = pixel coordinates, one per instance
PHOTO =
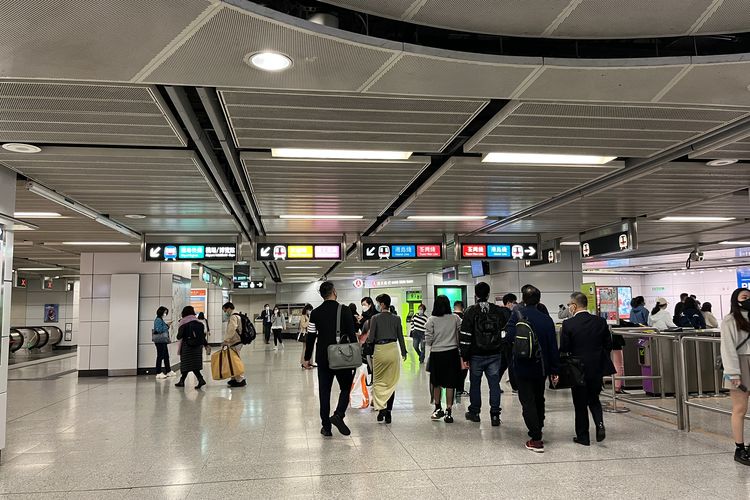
(570, 243)
(690, 218)
(18, 147)
(546, 159)
(447, 218)
(735, 243)
(269, 61)
(339, 154)
(37, 215)
(95, 243)
(135, 216)
(321, 217)
(721, 163)
(39, 269)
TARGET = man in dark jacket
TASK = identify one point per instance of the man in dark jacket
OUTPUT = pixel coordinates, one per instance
(322, 328)
(481, 347)
(532, 372)
(588, 338)
(678, 307)
(266, 316)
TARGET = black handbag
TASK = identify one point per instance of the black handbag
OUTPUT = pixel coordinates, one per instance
(571, 373)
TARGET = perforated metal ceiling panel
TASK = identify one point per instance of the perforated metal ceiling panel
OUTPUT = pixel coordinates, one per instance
(403, 226)
(610, 129)
(344, 121)
(739, 150)
(85, 114)
(87, 40)
(730, 16)
(276, 225)
(214, 55)
(156, 183)
(299, 187)
(713, 84)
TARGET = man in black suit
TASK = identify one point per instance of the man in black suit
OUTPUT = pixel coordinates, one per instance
(587, 337)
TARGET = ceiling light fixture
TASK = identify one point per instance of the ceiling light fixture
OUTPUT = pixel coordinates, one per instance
(721, 162)
(23, 227)
(546, 159)
(18, 147)
(78, 208)
(135, 216)
(302, 267)
(321, 217)
(37, 215)
(94, 243)
(446, 218)
(570, 243)
(690, 218)
(735, 243)
(269, 61)
(339, 154)
(40, 269)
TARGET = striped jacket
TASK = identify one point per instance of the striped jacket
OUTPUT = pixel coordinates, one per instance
(417, 323)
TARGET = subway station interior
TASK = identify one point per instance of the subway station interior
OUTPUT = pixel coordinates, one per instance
(190, 153)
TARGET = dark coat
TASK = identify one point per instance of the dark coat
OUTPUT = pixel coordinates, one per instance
(191, 357)
(544, 328)
(588, 337)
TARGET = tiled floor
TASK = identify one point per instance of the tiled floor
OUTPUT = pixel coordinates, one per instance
(139, 438)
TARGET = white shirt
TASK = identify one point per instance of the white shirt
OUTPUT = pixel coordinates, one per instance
(661, 320)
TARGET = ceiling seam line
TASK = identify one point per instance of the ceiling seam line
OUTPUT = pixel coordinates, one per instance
(380, 72)
(674, 81)
(528, 81)
(492, 124)
(180, 40)
(561, 17)
(412, 10)
(710, 11)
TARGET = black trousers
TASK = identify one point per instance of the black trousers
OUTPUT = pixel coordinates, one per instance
(325, 384)
(267, 332)
(162, 354)
(277, 336)
(586, 399)
(197, 373)
(531, 395)
(506, 363)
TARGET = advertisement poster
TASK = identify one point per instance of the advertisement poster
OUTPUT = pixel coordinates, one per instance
(608, 306)
(624, 296)
(589, 290)
(198, 299)
(180, 297)
(51, 313)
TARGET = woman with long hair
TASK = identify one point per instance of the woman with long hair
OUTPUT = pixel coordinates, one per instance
(441, 337)
(735, 356)
(708, 316)
(278, 323)
(193, 342)
(660, 318)
(160, 337)
(304, 322)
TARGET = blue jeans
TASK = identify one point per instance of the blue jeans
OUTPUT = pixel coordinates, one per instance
(418, 344)
(488, 366)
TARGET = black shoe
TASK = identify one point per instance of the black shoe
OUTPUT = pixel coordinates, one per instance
(601, 434)
(437, 414)
(326, 432)
(234, 383)
(581, 441)
(621, 391)
(388, 418)
(448, 416)
(381, 415)
(741, 456)
(201, 383)
(495, 420)
(472, 416)
(338, 422)
(180, 384)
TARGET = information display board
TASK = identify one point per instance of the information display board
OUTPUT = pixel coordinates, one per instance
(621, 237)
(551, 254)
(499, 251)
(402, 251)
(249, 285)
(286, 251)
(608, 305)
(175, 252)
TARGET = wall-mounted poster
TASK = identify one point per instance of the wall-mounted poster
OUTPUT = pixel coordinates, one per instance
(198, 298)
(608, 306)
(51, 313)
(68, 332)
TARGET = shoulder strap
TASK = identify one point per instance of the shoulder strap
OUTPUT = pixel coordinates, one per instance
(743, 342)
(338, 324)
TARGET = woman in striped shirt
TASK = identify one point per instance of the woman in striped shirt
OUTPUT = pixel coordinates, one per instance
(417, 331)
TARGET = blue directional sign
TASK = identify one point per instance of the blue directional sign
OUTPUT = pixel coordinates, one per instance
(498, 251)
(403, 251)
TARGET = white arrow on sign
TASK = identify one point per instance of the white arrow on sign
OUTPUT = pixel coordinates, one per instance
(531, 251)
(155, 253)
(370, 251)
(265, 252)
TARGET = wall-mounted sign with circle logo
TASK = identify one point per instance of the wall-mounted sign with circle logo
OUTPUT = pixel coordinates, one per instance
(358, 283)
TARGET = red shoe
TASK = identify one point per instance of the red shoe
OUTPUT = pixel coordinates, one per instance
(535, 446)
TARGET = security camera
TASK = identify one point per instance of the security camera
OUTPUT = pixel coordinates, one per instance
(696, 255)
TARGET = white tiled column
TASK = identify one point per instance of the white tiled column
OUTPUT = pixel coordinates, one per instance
(7, 206)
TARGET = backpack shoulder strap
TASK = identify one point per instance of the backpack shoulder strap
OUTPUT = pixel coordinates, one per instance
(743, 342)
(338, 324)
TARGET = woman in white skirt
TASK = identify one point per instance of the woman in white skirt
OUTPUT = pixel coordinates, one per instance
(735, 356)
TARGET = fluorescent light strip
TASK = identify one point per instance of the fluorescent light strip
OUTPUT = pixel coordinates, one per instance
(688, 218)
(37, 215)
(735, 243)
(339, 154)
(321, 217)
(78, 208)
(570, 243)
(40, 269)
(302, 267)
(446, 218)
(546, 159)
(95, 243)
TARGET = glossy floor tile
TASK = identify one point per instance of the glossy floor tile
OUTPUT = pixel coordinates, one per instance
(134, 437)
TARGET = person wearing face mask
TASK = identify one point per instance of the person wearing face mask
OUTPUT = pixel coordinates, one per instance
(265, 316)
(368, 311)
(278, 323)
(418, 323)
(588, 338)
(735, 356)
(160, 337)
(232, 339)
(304, 322)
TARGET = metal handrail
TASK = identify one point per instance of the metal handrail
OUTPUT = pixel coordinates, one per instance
(686, 403)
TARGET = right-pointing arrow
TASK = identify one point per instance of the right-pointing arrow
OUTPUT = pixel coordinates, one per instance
(531, 251)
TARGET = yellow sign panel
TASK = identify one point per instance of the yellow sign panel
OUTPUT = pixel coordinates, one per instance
(300, 252)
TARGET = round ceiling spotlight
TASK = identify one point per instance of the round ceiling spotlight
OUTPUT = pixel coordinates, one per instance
(135, 216)
(722, 162)
(268, 61)
(18, 147)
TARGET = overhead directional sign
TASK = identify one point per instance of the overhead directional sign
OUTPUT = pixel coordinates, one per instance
(288, 251)
(381, 250)
(621, 237)
(550, 254)
(509, 251)
(174, 252)
(249, 285)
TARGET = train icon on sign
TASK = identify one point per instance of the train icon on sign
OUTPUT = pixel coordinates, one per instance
(623, 241)
(279, 252)
(586, 249)
(517, 252)
(384, 252)
(170, 252)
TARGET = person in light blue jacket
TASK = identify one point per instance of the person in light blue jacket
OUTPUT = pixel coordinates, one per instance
(160, 337)
(639, 313)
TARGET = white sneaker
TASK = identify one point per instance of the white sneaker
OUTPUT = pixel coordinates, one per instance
(171, 374)
(275, 348)
(161, 376)
(282, 347)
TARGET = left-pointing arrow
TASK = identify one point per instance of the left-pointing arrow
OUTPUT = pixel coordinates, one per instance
(155, 253)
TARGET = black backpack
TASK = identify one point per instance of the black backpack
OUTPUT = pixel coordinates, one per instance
(686, 321)
(526, 344)
(488, 326)
(247, 329)
(190, 337)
